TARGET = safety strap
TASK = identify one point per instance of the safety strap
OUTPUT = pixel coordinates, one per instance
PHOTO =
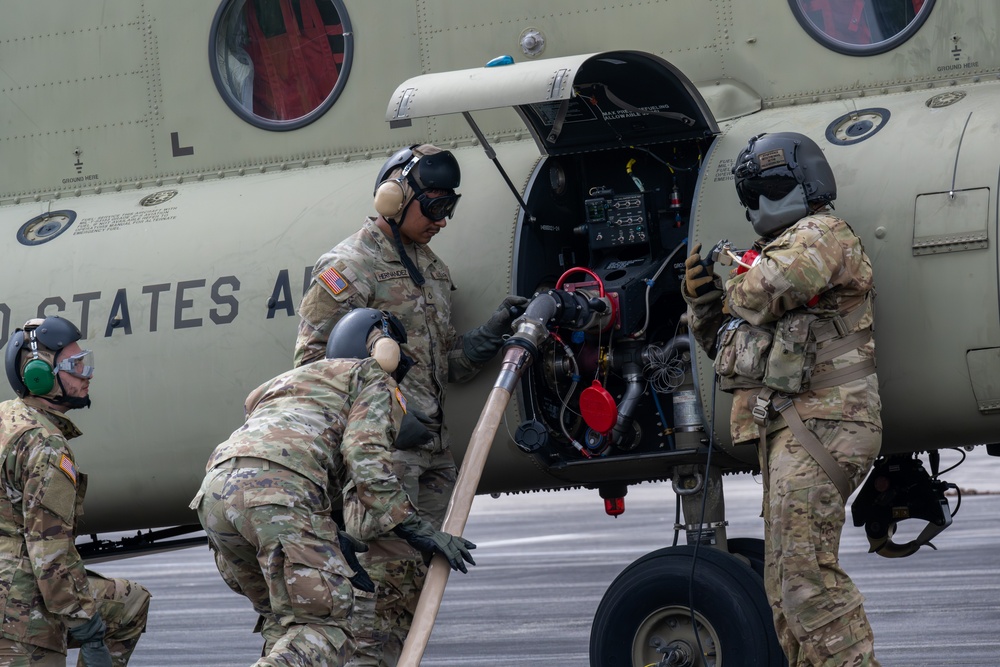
(839, 326)
(768, 398)
(672, 115)
(404, 257)
(557, 123)
(842, 345)
(842, 375)
(835, 331)
(816, 449)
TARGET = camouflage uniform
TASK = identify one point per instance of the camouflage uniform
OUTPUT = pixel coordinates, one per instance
(44, 588)
(267, 496)
(372, 276)
(770, 340)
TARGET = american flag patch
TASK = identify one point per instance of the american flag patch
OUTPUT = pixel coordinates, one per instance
(402, 401)
(66, 465)
(333, 280)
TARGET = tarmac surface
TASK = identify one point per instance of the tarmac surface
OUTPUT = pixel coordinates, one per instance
(545, 560)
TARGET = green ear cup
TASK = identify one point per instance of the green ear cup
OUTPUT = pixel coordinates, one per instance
(38, 377)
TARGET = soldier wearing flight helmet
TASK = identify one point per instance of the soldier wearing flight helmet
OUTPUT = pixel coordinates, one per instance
(49, 601)
(389, 265)
(267, 499)
(792, 341)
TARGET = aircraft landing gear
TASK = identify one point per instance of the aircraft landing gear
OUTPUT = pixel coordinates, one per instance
(645, 618)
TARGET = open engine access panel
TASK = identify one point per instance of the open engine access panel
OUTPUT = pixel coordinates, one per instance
(605, 213)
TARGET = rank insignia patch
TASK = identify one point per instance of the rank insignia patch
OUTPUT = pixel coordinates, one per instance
(335, 282)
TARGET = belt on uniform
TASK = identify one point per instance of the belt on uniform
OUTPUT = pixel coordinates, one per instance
(252, 462)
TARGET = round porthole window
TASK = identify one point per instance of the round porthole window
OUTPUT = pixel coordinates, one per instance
(281, 64)
(861, 27)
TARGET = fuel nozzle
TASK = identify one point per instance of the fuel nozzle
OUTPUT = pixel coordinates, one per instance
(576, 310)
(720, 253)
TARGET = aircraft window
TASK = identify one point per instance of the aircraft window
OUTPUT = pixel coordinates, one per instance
(861, 27)
(280, 64)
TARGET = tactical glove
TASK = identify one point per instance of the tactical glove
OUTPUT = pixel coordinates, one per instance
(699, 279)
(481, 344)
(350, 546)
(412, 432)
(93, 652)
(422, 536)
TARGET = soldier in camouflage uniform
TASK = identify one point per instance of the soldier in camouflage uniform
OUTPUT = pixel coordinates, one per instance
(48, 601)
(792, 341)
(388, 265)
(267, 498)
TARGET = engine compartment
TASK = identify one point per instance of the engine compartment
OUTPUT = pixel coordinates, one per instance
(613, 224)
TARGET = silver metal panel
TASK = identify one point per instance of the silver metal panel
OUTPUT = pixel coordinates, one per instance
(951, 221)
(484, 88)
(984, 370)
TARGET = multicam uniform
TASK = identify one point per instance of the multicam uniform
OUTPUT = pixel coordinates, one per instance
(266, 500)
(776, 341)
(365, 271)
(44, 588)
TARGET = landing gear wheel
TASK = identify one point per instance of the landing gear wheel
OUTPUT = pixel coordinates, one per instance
(645, 618)
(750, 548)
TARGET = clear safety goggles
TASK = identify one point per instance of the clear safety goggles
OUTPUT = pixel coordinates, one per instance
(79, 365)
(438, 208)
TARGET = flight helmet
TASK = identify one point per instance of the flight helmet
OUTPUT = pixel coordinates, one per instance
(409, 173)
(406, 177)
(365, 332)
(30, 360)
(778, 176)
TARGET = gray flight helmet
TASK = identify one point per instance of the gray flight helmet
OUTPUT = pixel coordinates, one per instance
(778, 176)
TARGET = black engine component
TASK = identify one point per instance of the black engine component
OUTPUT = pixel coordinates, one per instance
(899, 488)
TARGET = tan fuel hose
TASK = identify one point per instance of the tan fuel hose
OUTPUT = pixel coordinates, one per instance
(515, 361)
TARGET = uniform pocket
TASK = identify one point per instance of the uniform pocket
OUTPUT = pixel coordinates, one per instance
(316, 580)
(725, 357)
(743, 351)
(793, 355)
(815, 590)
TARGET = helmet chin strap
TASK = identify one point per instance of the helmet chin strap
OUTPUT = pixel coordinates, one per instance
(772, 217)
(71, 402)
(404, 257)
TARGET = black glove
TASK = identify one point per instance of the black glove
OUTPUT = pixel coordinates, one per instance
(412, 432)
(93, 652)
(349, 546)
(699, 279)
(481, 344)
(422, 536)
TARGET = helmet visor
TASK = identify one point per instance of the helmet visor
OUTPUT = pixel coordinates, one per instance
(775, 188)
(438, 208)
(79, 365)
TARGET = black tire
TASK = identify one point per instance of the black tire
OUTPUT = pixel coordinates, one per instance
(750, 548)
(649, 601)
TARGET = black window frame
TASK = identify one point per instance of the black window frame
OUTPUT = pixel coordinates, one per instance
(862, 50)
